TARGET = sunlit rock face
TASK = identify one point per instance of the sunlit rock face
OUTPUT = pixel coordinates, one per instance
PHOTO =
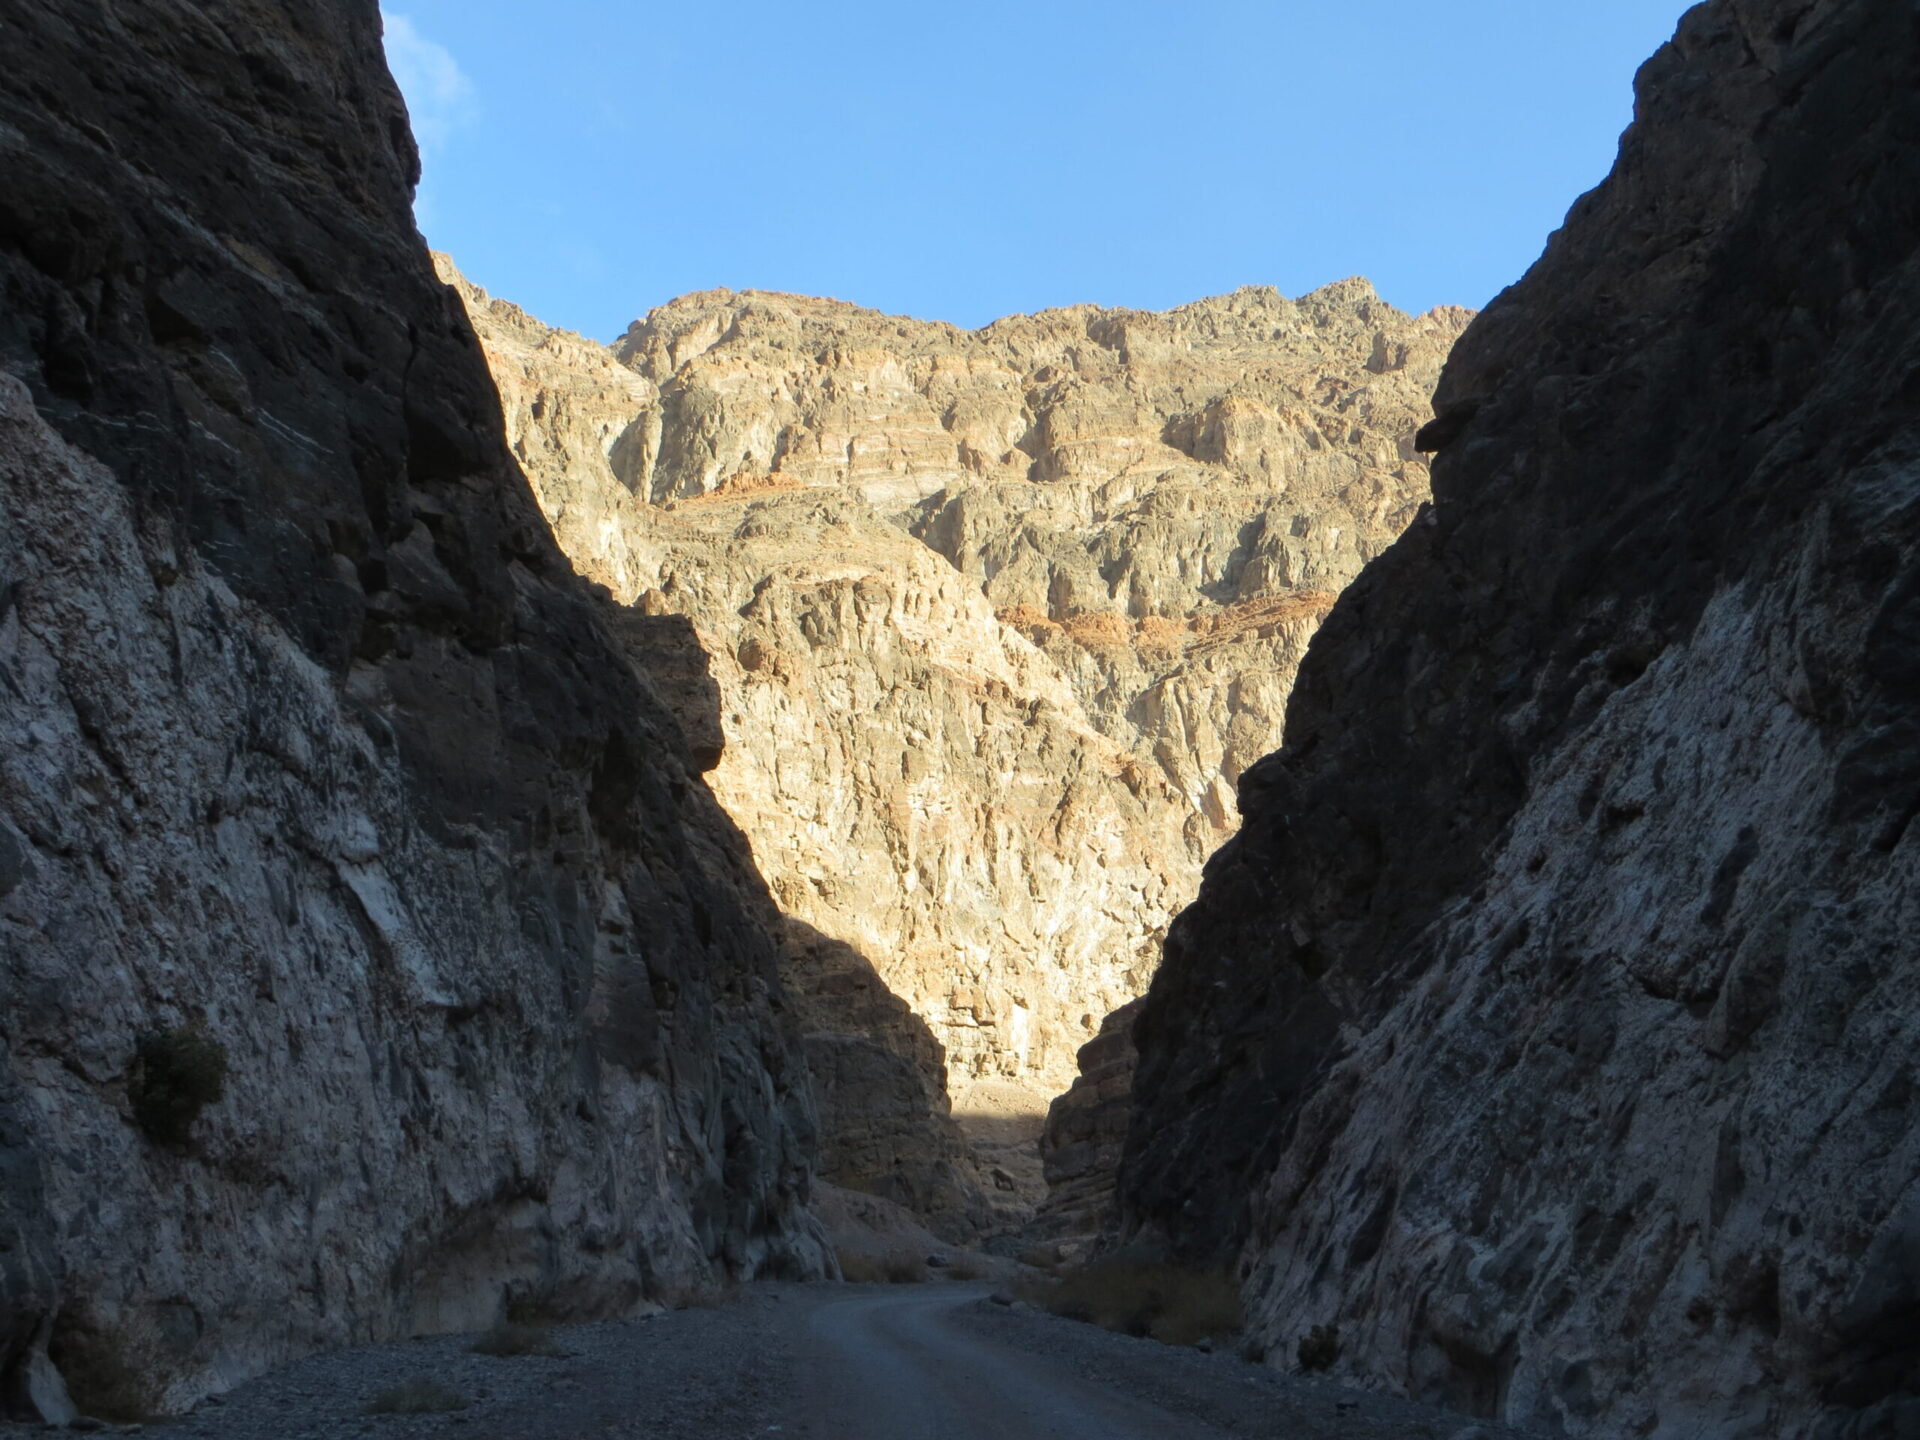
(1549, 1027)
(996, 616)
(1164, 504)
(317, 759)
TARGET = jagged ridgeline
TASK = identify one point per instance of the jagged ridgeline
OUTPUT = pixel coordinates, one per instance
(997, 616)
(1550, 1027)
(372, 952)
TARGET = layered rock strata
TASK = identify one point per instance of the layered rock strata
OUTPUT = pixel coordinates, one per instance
(1165, 504)
(372, 951)
(996, 615)
(1549, 1027)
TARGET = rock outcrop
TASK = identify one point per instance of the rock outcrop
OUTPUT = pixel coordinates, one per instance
(372, 950)
(886, 1122)
(996, 615)
(1549, 1025)
(1165, 504)
(1085, 1135)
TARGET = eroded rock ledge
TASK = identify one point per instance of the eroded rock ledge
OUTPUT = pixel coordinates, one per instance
(1549, 1026)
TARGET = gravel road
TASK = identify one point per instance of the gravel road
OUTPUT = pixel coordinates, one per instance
(940, 1363)
(896, 1366)
(827, 1362)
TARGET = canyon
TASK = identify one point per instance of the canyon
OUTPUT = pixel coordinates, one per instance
(996, 619)
(377, 956)
(496, 823)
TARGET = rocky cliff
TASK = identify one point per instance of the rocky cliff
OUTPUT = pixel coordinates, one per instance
(373, 952)
(1549, 1026)
(1165, 504)
(997, 616)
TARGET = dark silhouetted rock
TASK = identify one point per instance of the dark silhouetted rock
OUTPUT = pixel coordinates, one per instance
(1550, 1024)
(1085, 1134)
(311, 743)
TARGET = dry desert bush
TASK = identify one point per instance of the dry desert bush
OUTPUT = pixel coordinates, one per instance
(901, 1267)
(1318, 1348)
(1165, 1302)
(511, 1338)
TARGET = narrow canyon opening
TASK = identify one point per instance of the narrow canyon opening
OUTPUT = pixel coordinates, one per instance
(510, 843)
(992, 623)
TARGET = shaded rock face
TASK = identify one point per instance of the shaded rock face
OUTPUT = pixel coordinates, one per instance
(995, 615)
(886, 1123)
(1549, 1026)
(312, 746)
(1085, 1135)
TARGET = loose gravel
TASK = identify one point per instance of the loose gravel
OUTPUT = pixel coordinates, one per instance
(691, 1374)
(1220, 1388)
(734, 1371)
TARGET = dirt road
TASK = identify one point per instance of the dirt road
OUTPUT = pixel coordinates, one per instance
(823, 1362)
(894, 1365)
(939, 1363)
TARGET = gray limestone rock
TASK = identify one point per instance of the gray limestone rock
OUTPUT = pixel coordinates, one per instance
(1549, 1025)
(312, 745)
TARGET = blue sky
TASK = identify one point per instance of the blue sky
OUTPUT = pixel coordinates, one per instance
(589, 160)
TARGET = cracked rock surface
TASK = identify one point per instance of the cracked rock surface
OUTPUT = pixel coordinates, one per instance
(319, 765)
(1549, 1025)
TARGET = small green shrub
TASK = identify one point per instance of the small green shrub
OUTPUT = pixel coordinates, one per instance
(175, 1075)
(1164, 1302)
(1319, 1348)
(417, 1397)
(511, 1338)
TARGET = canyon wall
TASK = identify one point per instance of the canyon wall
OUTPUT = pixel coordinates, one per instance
(1549, 1026)
(996, 615)
(373, 953)
(1084, 1137)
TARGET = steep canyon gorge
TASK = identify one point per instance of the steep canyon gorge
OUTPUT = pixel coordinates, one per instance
(996, 619)
(591, 809)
